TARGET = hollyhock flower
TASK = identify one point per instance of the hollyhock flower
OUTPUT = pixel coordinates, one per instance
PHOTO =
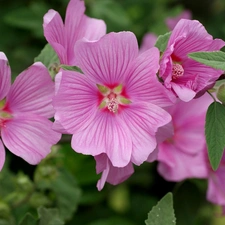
(172, 21)
(114, 107)
(182, 155)
(62, 37)
(148, 41)
(24, 108)
(185, 77)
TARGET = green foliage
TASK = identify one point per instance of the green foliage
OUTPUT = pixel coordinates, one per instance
(162, 41)
(214, 131)
(163, 212)
(214, 59)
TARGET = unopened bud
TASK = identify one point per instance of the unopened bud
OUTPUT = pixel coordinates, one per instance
(221, 93)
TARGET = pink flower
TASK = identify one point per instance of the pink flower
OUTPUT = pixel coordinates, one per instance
(172, 21)
(183, 154)
(24, 108)
(111, 174)
(148, 41)
(114, 107)
(62, 37)
(185, 77)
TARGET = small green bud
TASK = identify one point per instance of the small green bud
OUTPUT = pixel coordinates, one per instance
(221, 93)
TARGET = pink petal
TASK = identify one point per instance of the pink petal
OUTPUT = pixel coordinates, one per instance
(94, 28)
(2, 155)
(107, 133)
(54, 34)
(5, 76)
(29, 137)
(175, 165)
(107, 60)
(184, 93)
(148, 41)
(32, 91)
(143, 120)
(76, 101)
(111, 174)
(142, 83)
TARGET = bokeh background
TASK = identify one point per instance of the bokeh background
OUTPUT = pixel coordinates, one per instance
(66, 181)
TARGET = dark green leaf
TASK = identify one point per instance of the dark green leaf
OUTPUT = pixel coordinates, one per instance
(162, 213)
(162, 41)
(214, 132)
(28, 220)
(215, 59)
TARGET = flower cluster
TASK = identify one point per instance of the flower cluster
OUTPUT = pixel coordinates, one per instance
(128, 105)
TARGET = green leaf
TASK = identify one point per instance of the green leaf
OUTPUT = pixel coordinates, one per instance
(72, 68)
(214, 132)
(162, 41)
(162, 213)
(49, 58)
(215, 59)
(49, 217)
(28, 220)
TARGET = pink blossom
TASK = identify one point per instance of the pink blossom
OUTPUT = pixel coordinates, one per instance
(114, 107)
(62, 37)
(148, 41)
(111, 174)
(183, 154)
(172, 21)
(185, 77)
(24, 108)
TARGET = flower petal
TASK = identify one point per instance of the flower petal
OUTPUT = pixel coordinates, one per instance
(106, 133)
(29, 137)
(76, 101)
(5, 76)
(143, 120)
(148, 41)
(142, 84)
(32, 91)
(55, 35)
(111, 174)
(106, 61)
(2, 155)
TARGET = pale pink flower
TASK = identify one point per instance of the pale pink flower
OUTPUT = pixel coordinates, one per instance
(114, 107)
(183, 154)
(172, 21)
(62, 37)
(185, 77)
(25, 107)
(111, 174)
(148, 41)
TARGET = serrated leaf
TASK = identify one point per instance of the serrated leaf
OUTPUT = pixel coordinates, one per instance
(72, 68)
(49, 58)
(162, 213)
(162, 41)
(214, 132)
(28, 220)
(215, 59)
(49, 217)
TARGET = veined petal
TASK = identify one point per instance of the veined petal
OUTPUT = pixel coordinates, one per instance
(73, 27)
(32, 91)
(106, 133)
(29, 136)
(107, 60)
(2, 155)
(142, 83)
(111, 174)
(54, 34)
(148, 42)
(143, 120)
(5, 76)
(76, 101)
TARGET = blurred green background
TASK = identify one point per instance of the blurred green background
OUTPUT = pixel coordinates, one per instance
(66, 181)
